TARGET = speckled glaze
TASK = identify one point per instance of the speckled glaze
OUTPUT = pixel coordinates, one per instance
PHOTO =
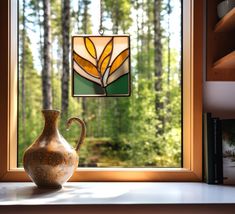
(50, 161)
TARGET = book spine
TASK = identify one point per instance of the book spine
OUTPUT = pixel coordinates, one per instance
(204, 149)
(215, 138)
(219, 155)
(209, 149)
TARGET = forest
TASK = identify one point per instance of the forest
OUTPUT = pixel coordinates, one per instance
(143, 130)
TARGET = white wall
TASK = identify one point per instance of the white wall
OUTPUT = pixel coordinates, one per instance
(219, 98)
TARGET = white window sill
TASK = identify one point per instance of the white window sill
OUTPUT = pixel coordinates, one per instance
(117, 193)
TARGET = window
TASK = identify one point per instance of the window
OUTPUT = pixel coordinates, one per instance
(113, 139)
(191, 163)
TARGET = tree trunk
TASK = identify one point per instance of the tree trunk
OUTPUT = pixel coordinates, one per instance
(168, 116)
(168, 44)
(23, 69)
(78, 16)
(85, 31)
(46, 71)
(38, 10)
(116, 22)
(149, 40)
(158, 64)
(137, 6)
(65, 46)
(85, 18)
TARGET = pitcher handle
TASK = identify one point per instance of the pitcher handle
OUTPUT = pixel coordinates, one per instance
(83, 132)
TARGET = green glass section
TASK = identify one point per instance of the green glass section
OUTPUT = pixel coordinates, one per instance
(119, 87)
(82, 86)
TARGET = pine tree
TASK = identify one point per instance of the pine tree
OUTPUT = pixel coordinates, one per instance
(46, 70)
(66, 46)
(158, 65)
(167, 103)
(86, 20)
(22, 69)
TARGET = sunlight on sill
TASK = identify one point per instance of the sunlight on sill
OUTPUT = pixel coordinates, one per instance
(32, 195)
(104, 193)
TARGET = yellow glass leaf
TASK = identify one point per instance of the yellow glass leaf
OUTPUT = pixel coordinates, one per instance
(107, 51)
(119, 60)
(105, 64)
(90, 47)
(86, 65)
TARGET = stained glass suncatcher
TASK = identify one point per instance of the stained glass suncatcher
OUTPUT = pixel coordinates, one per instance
(101, 65)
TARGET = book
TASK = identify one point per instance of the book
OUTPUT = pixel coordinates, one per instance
(208, 147)
(228, 141)
(219, 152)
(212, 150)
(217, 141)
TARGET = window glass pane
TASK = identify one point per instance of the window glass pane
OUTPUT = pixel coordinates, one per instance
(143, 130)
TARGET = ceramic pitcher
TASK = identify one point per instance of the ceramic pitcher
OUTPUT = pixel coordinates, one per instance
(50, 161)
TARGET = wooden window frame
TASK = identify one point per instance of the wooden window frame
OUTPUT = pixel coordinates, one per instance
(192, 106)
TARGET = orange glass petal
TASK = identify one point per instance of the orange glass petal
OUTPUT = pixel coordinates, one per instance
(105, 64)
(86, 65)
(90, 47)
(119, 60)
(107, 51)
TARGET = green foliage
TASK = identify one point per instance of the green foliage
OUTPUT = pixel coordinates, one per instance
(120, 13)
(33, 121)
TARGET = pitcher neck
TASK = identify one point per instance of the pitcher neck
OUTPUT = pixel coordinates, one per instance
(51, 121)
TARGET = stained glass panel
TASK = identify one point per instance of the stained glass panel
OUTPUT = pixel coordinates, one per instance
(101, 65)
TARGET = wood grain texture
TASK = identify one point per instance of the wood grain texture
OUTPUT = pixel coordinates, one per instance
(196, 164)
(227, 23)
(115, 175)
(227, 62)
(218, 46)
(4, 84)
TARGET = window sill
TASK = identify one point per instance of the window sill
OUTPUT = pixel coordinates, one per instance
(117, 194)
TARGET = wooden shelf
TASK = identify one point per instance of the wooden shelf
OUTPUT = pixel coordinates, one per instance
(227, 62)
(220, 47)
(227, 23)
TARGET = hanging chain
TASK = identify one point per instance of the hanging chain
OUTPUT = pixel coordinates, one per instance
(101, 29)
